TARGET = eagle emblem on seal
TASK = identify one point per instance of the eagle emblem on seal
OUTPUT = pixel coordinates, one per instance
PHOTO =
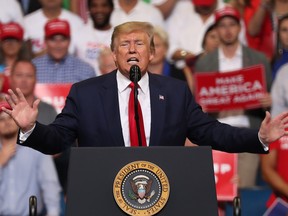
(141, 187)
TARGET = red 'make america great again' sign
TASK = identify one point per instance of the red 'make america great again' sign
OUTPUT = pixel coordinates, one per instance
(217, 91)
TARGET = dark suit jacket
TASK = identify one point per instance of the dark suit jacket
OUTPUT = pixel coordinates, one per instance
(91, 115)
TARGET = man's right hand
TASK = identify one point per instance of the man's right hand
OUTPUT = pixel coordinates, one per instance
(22, 113)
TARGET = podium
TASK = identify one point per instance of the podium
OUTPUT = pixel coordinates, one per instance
(92, 174)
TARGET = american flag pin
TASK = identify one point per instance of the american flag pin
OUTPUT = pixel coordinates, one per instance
(161, 97)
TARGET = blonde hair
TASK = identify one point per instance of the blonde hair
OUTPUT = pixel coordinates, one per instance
(162, 34)
(130, 27)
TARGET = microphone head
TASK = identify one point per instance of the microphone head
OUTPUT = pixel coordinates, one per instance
(135, 73)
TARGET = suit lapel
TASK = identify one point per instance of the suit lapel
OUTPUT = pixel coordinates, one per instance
(111, 109)
(109, 97)
(158, 109)
(246, 60)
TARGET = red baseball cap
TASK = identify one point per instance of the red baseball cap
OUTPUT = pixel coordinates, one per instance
(203, 2)
(227, 11)
(57, 27)
(11, 30)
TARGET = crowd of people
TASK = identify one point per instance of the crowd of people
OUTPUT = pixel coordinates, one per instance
(43, 41)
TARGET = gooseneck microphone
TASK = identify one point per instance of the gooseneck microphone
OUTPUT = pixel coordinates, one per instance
(135, 73)
(135, 76)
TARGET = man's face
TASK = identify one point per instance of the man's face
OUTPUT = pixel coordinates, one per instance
(132, 49)
(8, 128)
(100, 12)
(57, 47)
(228, 30)
(23, 76)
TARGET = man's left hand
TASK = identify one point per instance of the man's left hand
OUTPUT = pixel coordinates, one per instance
(273, 129)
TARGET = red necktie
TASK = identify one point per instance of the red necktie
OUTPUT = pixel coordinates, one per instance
(132, 121)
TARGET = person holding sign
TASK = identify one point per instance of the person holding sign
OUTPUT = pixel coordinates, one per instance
(273, 165)
(96, 110)
(232, 56)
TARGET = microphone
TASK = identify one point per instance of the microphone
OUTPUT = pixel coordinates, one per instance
(135, 74)
(236, 206)
(32, 205)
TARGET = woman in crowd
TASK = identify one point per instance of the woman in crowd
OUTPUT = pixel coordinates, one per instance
(210, 42)
(281, 54)
(12, 48)
(160, 64)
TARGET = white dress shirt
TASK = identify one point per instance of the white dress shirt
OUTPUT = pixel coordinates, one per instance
(227, 65)
(144, 100)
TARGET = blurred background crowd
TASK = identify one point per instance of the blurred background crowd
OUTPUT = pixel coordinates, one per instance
(66, 41)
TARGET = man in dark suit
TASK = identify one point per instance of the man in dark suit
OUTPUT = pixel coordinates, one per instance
(96, 109)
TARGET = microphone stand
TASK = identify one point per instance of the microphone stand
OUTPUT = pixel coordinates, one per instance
(136, 108)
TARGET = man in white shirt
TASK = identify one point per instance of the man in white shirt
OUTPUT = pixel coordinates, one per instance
(230, 56)
(10, 11)
(165, 6)
(96, 35)
(35, 22)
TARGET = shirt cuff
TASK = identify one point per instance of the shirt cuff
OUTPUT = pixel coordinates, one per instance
(24, 136)
(265, 147)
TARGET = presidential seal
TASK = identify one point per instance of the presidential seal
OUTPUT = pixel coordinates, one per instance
(141, 188)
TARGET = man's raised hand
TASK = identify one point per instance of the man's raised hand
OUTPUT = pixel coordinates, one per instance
(273, 129)
(22, 113)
